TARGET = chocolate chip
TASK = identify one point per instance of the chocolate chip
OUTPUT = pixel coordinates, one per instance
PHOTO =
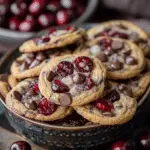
(33, 105)
(117, 45)
(30, 93)
(79, 78)
(130, 60)
(65, 99)
(125, 89)
(128, 52)
(103, 57)
(134, 36)
(108, 52)
(17, 95)
(122, 87)
(19, 62)
(50, 75)
(29, 60)
(40, 56)
(24, 66)
(128, 92)
(4, 77)
(112, 96)
(116, 65)
(35, 63)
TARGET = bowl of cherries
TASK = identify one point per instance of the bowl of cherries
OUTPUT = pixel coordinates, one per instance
(21, 19)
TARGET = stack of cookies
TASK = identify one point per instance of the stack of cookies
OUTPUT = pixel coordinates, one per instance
(101, 74)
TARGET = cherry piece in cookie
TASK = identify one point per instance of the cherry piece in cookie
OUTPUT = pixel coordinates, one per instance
(59, 87)
(84, 64)
(65, 68)
(45, 107)
(20, 145)
(103, 105)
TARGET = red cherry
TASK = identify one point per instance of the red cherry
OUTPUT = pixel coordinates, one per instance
(103, 105)
(46, 20)
(89, 83)
(84, 64)
(119, 35)
(37, 6)
(4, 8)
(53, 6)
(104, 33)
(106, 43)
(20, 145)
(14, 23)
(5, 1)
(144, 140)
(80, 10)
(35, 88)
(65, 68)
(121, 145)
(26, 26)
(2, 21)
(68, 3)
(62, 17)
(45, 107)
(59, 87)
(71, 14)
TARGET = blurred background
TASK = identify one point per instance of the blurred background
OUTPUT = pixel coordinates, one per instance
(22, 19)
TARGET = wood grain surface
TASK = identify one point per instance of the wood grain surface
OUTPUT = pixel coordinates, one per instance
(7, 138)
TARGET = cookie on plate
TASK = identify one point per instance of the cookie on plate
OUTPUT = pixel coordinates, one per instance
(5, 88)
(122, 29)
(122, 58)
(114, 108)
(29, 65)
(55, 39)
(72, 80)
(26, 100)
(138, 85)
(12, 81)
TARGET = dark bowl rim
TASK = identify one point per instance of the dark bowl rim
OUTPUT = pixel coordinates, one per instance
(57, 127)
(91, 7)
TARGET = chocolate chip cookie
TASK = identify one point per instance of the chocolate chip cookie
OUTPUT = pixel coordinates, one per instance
(136, 86)
(122, 29)
(26, 100)
(114, 108)
(72, 80)
(122, 58)
(55, 39)
(29, 65)
(5, 88)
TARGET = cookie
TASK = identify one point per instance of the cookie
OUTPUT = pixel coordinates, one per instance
(72, 80)
(122, 29)
(122, 58)
(5, 88)
(136, 86)
(56, 39)
(26, 100)
(28, 65)
(113, 109)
